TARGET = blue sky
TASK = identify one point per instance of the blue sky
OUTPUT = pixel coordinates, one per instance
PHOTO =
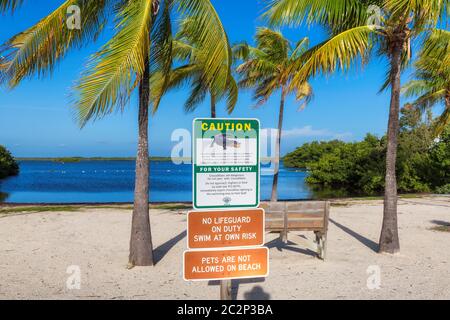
(36, 121)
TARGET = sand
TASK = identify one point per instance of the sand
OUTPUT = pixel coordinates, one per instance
(37, 249)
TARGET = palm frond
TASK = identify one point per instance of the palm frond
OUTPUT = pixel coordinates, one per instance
(183, 51)
(405, 63)
(37, 50)
(9, 5)
(107, 82)
(241, 51)
(337, 15)
(442, 122)
(197, 95)
(211, 38)
(177, 78)
(161, 53)
(265, 88)
(232, 95)
(435, 54)
(430, 99)
(275, 47)
(339, 52)
(416, 88)
(425, 13)
(301, 47)
(188, 48)
(304, 94)
(267, 66)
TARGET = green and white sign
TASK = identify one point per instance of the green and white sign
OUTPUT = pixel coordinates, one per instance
(225, 163)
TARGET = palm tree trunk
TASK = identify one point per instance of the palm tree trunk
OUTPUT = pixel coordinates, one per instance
(274, 197)
(141, 247)
(389, 240)
(447, 100)
(213, 106)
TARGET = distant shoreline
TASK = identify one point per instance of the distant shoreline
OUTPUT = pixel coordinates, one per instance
(83, 159)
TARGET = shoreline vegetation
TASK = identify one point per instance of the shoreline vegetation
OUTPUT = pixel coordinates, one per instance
(358, 167)
(8, 165)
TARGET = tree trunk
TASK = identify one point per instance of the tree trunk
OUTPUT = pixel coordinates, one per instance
(389, 240)
(141, 247)
(213, 106)
(274, 197)
(447, 101)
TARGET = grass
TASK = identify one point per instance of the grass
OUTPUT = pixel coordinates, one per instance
(345, 202)
(74, 208)
(175, 206)
(441, 228)
(38, 209)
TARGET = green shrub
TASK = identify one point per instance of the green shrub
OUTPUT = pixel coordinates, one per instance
(444, 189)
(8, 166)
(423, 164)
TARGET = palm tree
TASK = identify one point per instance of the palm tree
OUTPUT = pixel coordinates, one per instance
(141, 46)
(268, 68)
(432, 78)
(188, 52)
(357, 28)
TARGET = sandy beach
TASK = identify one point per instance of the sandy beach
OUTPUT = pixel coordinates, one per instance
(38, 248)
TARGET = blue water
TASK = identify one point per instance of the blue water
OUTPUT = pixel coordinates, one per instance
(113, 181)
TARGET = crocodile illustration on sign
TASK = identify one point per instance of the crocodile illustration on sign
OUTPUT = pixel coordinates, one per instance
(225, 141)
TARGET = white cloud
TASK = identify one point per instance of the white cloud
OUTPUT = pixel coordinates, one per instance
(309, 131)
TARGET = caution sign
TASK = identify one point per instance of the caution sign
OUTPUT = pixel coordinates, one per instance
(226, 264)
(226, 163)
(223, 229)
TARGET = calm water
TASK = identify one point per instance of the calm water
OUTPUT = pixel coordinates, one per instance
(113, 181)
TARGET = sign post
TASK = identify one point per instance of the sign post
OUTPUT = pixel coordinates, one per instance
(226, 232)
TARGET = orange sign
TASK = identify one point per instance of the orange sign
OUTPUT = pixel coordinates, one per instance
(222, 229)
(226, 264)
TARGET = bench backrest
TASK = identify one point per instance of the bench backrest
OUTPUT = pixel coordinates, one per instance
(297, 216)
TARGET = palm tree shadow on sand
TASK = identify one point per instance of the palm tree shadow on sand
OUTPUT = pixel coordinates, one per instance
(365, 241)
(289, 246)
(440, 225)
(160, 252)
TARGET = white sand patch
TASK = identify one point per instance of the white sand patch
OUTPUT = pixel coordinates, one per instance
(36, 250)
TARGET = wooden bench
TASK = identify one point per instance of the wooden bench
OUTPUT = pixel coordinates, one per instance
(299, 216)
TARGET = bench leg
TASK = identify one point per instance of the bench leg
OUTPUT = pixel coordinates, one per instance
(321, 240)
(284, 236)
